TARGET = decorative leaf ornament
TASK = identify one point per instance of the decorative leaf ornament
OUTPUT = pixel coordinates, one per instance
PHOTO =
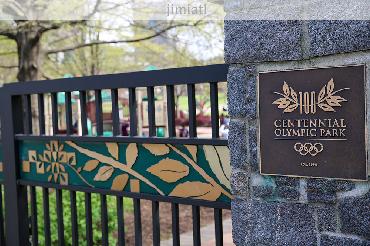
(169, 170)
(220, 165)
(113, 149)
(131, 154)
(157, 149)
(196, 189)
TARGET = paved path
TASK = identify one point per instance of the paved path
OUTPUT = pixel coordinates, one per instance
(207, 236)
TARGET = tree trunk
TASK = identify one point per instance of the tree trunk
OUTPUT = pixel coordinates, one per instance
(28, 45)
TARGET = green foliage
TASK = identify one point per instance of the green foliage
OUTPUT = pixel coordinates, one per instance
(81, 221)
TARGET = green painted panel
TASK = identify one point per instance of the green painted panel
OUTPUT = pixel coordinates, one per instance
(199, 172)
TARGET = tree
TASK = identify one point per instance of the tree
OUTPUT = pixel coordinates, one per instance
(28, 34)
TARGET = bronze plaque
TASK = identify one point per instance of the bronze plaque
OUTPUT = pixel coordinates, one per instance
(312, 123)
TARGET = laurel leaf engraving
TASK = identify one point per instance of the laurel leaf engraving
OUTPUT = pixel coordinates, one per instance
(218, 167)
(286, 89)
(291, 108)
(119, 182)
(131, 154)
(193, 151)
(104, 173)
(282, 102)
(113, 149)
(197, 190)
(169, 170)
(330, 87)
(157, 149)
(91, 165)
(294, 95)
(335, 100)
(322, 94)
(326, 107)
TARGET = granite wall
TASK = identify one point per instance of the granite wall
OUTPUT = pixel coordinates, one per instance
(270, 210)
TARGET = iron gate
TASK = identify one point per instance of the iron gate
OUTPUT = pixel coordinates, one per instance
(192, 171)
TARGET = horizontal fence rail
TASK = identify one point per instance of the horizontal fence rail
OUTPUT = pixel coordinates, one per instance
(70, 146)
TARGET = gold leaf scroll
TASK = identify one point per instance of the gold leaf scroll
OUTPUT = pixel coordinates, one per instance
(169, 170)
(131, 154)
(193, 151)
(220, 167)
(91, 165)
(104, 173)
(286, 89)
(113, 149)
(196, 190)
(157, 149)
(330, 86)
(120, 182)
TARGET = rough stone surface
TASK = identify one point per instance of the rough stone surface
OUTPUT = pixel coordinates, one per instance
(277, 223)
(354, 213)
(332, 37)
(263, 192)
(334, 240)
(321, 190)
(239, 183)
(287, 193)
(256, 41)
(253, 151)
(238, 144)
(326, 218)
(239, 220)
(242, 92)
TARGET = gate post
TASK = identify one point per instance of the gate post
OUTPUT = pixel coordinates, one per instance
(277, 210)
(16, 216)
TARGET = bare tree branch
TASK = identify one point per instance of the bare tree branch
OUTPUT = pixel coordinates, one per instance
(158, 33)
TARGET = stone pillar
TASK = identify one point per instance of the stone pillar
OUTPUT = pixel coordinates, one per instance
(273, 210)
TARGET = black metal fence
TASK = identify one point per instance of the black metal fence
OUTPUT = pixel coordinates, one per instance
(21, 196)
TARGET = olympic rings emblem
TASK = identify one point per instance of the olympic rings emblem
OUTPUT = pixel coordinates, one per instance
(308, 148)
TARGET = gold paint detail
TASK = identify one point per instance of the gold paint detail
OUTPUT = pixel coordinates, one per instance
(104, 173)
(1, 166)
(135, 185)
(157, 149)
(120, 182)
(113, 150)
(308, 148)
(91, 165)
(131, 154)
(26, 166)
(307, 101)
(219, 161)
(169, 170)
(201, 172)
(193, 149)
(197, 190)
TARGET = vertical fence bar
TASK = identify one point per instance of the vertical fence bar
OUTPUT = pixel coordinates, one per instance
(192, 111)
(196, 225)
(115, 113)
(133, 106)
(151, 111)
(17, 230)
(218, 227)
(2, 236)
(156, 224)
(41, 108)
(68, 105)
(171, 110)
(45, 202)
(175, 224)
(120, 221)
(34, 228)
(137, 217)
(89, 230)
(74, 218)
(27, 114)
(104, 219)
(99, 113)
(83, 119)
(54, 112)
(60, 222)
(214, 110)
